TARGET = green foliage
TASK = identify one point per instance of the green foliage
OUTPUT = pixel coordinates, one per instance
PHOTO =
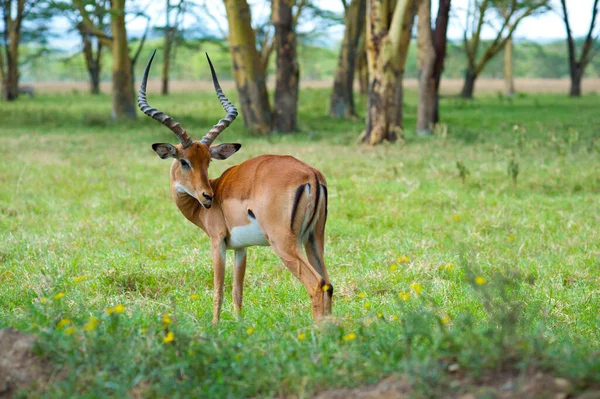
(531, 60)
(430, 274)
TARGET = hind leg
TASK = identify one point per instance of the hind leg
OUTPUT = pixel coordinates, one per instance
(315, 247)
(313, 281)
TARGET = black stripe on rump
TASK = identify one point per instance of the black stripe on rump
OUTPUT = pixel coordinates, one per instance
(299, 191)
(318, 190)
(313, 246)
(326, 198)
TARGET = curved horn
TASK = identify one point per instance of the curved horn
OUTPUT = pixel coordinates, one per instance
(163, 118)
(231, 110)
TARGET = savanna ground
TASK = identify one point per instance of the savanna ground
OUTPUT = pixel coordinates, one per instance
(442, 280)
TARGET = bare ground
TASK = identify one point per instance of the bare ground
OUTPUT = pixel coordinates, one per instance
(503, 386)
(19, 366)
(449, 86)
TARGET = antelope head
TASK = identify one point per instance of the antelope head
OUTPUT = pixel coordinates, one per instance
(191, 158)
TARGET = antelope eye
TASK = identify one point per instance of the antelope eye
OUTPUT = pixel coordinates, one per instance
(184, 164)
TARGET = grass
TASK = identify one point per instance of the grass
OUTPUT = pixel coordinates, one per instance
(488, 272)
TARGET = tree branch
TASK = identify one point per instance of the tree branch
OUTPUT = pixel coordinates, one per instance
(589, 40)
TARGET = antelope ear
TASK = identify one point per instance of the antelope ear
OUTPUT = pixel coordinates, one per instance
(165, 150)
(224, 151)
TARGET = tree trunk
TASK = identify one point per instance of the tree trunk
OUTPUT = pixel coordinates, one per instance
(11, 83)
(288, 71)
(123, 98)
(166, 51)
(342, 99)
(388, 33)
(247, 71)
(509, 82)
(363, 68)
(469, 85)
(440, 38)
(95, 80)
(12, 27)
(92, 63)
(426, 65)
(166, 61)
(576, 77)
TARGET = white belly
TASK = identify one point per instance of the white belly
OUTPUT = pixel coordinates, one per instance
(247, 236)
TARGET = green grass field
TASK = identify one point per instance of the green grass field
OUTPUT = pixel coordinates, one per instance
(485, 275)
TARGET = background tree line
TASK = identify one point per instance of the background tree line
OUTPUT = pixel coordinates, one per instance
(384, 41)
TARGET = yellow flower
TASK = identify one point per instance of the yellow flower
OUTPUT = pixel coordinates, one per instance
(301, 336)
(169, 337)
(80, 278)
(446, 319)
(480, 280)
(394, 318)
(404, 295)
(59, 295)
(63, 322)
(119, 308)
(379, 315)
(511, 237)
(91, 325)
(456, 218)
(393, 267)
(250, 330)
(69, 330)
(195, 297)
(110, 310)
(367, 305)
(43, 300)
(362, 295)
(449, 266)
(403, 259)
(349, 337)
(166, 320)
(325, 287)
(143, 330)
(416, 287)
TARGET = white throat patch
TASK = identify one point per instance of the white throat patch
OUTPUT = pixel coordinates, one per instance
(180, 189)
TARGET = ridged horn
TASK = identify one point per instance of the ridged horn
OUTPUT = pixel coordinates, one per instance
(163, 118)
(231, 110)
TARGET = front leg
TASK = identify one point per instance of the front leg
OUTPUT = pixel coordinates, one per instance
(238, 279)
(218, 254)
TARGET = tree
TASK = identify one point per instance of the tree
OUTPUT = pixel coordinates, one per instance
(13, 14)
(288, 71)
(511, 13)
(432, 53)
(123, 92)
(248, 70)
(509, 81)
(388, 38)
(577, 66)
(342, 99)
(93, 58)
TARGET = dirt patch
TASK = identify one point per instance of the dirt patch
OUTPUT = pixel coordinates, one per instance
(19, 366)
(390, 388)
(449, 86)
(524, 386)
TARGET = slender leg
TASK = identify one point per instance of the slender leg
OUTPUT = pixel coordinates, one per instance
(314, 251)
(304, 271)
(218, 254)
(238, 279)
(315, 248)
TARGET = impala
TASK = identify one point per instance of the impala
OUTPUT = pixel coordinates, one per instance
(267, 200)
